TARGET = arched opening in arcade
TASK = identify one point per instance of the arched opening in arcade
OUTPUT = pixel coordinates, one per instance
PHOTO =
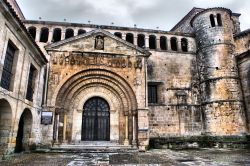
(5, 124)
(24, 131)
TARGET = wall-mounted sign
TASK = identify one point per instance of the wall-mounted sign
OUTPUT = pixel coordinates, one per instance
(47, 117)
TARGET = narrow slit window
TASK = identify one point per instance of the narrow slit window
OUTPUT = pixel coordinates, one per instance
(81, 31)
(173, 42)
(141, 41)
(212, 21)
(118, 34)
(152, 42)
(44, 35)
(184, 45)
(69, 33)
(57, 34)
(219, 20)
(130, 38)
(32, 31)
(163, 43)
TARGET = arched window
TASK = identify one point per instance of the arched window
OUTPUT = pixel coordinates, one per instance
(57, 34)
(81, 31)
(69, 33)
(130, 38)
(32, 31)
(118, 34)
(141, 40)
(212, 20)
(152, 42)
(184, 45)
(219, 20)
(44, 35)
(173, 42)
(163, 43)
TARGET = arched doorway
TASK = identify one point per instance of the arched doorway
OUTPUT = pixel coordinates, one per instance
(24, 131)
(5, 124)
(96, 120)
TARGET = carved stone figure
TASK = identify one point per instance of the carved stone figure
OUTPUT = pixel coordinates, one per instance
(138, 64)
(61, 59)
(99, 42)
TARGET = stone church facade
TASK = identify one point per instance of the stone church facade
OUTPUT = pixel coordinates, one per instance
(126, 86)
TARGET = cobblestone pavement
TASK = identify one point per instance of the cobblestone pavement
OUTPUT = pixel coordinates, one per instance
(210, 157)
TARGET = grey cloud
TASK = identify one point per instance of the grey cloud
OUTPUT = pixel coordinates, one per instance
(144, 13)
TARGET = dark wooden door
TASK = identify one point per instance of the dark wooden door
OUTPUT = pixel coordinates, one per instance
(96, 120)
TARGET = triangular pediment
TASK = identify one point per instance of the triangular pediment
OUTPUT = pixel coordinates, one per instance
(97, 41)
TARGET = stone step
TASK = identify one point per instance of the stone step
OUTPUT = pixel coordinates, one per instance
(90, 147)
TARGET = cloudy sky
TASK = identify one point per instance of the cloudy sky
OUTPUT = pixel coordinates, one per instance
(144, 13)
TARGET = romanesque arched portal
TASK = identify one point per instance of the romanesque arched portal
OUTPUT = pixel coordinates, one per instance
(80, 88)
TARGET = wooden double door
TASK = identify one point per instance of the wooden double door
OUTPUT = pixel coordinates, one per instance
(96, 120)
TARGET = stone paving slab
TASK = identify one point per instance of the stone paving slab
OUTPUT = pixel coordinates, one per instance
(203, 157)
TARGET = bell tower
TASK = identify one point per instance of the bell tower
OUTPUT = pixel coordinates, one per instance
(222, 101)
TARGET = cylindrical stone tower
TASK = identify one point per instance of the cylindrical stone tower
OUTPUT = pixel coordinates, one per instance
(221, 96)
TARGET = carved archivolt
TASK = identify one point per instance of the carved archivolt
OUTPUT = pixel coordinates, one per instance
(98, 79)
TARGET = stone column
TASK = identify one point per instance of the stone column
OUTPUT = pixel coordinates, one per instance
(64, 127)
(57, 127)
(179, 44)
(38, 34)
(158, 43)
(215, 20)
(126, 141)
(75, 32)
(134, 141)
(168, 44)
(135, 41)
(63, 34)
(50, 36)
(146, 42)
(124, 36)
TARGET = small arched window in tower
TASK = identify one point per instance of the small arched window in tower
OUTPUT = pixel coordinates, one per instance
(212, 20)
(219, 20)
(163, 43)
(81, 31)
(130, 38)
(141, 40)
(44, 35)
(118, 34)
(57, 33)
(173, 42)
(184, 45)
(32, 31)
(152, 42)
(69, 33)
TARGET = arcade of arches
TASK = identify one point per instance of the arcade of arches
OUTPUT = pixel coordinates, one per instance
(8, 140)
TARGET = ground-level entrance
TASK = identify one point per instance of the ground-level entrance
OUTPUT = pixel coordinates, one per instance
(96, 120)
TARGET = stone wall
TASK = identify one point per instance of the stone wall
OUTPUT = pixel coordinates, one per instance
(177, 111)
(242, 43)
(13, 101)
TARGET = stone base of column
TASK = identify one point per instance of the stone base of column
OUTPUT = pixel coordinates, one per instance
(134, 144)
(126, 142)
